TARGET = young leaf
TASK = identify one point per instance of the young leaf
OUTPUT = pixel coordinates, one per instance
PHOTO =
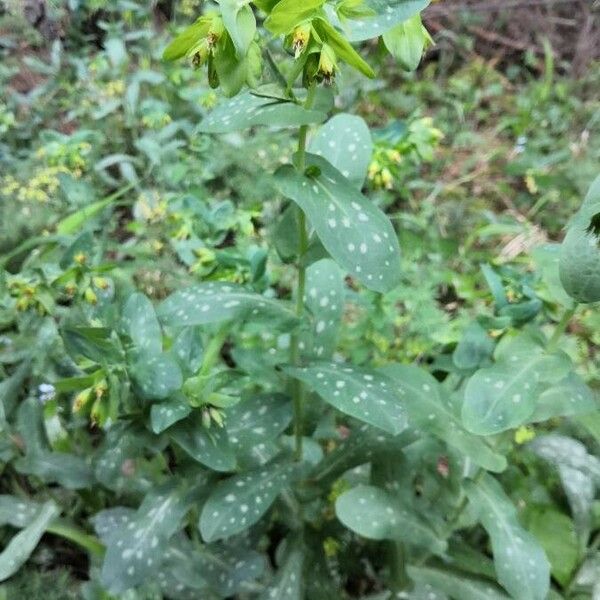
(135, 551)
(474, 348)
(457, 584)
(165, 414)
(520, 562)
(240, 501)
(239, 21)
(209, 447)
(406, 42)
(375, 514)
(247, 110)
(188, 38)
(382, 16)
(288, 584)
(357, 234)
(21, 546)
(360, 393)
(215, 301)
(430, 411)
(140, 323)
(286, 14)
(157, 376)
(345, 142)
(324, 299)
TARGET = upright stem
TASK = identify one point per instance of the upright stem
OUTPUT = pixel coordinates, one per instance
(298, 386)
(561, 328)
(211, 354)
(399, 579)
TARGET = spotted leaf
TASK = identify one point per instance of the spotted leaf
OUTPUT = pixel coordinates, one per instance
(429, 410)
(345, 141)
(157, 376)
(247, 110)
(375, 514)
(380, 16)
(521, 564)
(366, 395)
(188, 350)
(165, 414)
(288, 584)
(136, 549)
(140, 323)
(21, 546)
(208, 446)
(216, 301)
(240, 501)
(357, 234)
(18, 512)
(324, 299)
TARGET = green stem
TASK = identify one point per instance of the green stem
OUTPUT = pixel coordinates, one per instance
(78, 536)
(297, 386)
(399, 579)
(561, 328)
(213, 350)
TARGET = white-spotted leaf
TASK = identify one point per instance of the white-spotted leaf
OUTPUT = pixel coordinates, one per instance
(429, 410)
(21, 546)
(165, 414)
(240, 501)
(288, 584)
(376, 514)
(361, 393)
(110, 521)
(216, 301)
(140, 322)
(247, 110)
(520, 562)
(18, 512)
(188, 350)
(345, 142)
(157, 376)
(355, 232)
(324, 298)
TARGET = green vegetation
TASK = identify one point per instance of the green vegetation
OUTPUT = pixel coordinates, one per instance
(283, 317)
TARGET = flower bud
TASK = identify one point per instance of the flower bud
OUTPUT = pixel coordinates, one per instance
(90, 296)
(300, 39)
(81, 400)
(327, 64)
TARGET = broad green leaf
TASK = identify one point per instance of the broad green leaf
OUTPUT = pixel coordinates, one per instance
(140, 323)
(357, 234)
(18, 512)
(256, 420)
(406, 42)
(239, 21)
(361, 393)
(209, 447)
(430, 411)
(324, 298)
(345, 142)
(110, 521)
(556, 534)
(135, 551)
(240, 501)
(570, 396)
(234, 72)
(520, 561)
(247, 110)
(188, 350)
(165, 414)
(459, 586)
(505, 395)
(288, 584)
(70, 471)
(215, 301)
(286, 14)
(157, 375)
(383, 15)
(377, 515)
(21, 546)
(187, 39)
(96, 343)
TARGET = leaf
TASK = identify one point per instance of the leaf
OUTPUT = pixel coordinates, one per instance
(18, 512)
(21, 546)
(247, 110)
(188, 350)
(165, 414)
(140, 323)
(288, 584)
(474, 348)
(458, 585)
(429, 410)
(383, 15)
(110, 521)
(569, 397)
(324, 299)
(286, 14)
(240, 501)
(70, 471)
(135, 551)
(209, 447)
(157, 376)
(375, 514)
(95, 343)
(360, 393)
(255, 421)
(407, 41)
(357, 234)
(239, 21)
(345, 142)
(505, 395)
(187, 39)
(215, 301)
(520, 562)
